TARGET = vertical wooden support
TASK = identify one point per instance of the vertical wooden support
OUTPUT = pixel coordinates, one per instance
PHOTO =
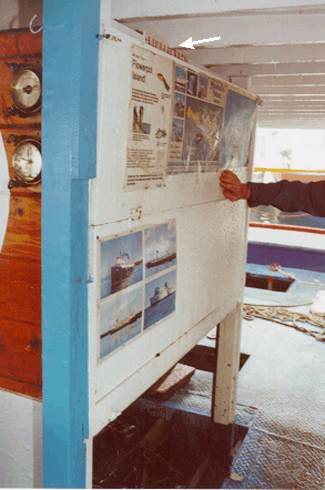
(70, 74)
(224, 391)
(228, 357)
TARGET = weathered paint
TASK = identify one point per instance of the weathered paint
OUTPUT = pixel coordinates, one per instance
(227, 366)
(69, 152)
(211, 244)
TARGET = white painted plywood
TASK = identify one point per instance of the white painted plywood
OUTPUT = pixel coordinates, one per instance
(20, 441)
(239, 30)
(124, 9)
(211, 249)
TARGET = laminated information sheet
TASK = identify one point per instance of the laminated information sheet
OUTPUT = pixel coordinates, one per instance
(237, 130)
(182, 121)
(197, 121)
(149, 124)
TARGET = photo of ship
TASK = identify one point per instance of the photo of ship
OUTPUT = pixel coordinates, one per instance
(160, 299)
(161, 292)
(121, 263)
(160, 248)
(121, 324)
(120, 319)
(161, 259)
(122, 270)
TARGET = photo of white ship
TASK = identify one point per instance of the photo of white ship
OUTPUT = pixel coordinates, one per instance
(120, 319)
(121, 263)
(160, 248)
(160, 298)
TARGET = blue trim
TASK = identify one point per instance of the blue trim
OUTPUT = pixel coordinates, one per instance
(299, 258)
(70, 75)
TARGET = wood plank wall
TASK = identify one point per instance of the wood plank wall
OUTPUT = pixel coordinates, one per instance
(20, 257)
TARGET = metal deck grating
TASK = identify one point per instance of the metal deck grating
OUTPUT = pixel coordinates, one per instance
(271, 461)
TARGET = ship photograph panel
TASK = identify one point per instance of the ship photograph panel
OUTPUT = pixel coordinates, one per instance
(121, 263)
(120, 319)
(160, 298)
(160, 248)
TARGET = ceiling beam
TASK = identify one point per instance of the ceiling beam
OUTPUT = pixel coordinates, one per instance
(297, 90)
(293, 103)
(273, 119)
(146, 9)
(306, 108)
(280, 80)
(259, 54)
(247, 70)
(293, 125)
(265, 29)
(303, 125)
(289, 97)
(295, 113)
(310, 117)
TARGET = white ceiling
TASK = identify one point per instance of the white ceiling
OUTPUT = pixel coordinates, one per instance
(274, 47)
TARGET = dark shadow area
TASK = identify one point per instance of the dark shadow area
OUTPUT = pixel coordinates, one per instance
(203, 357)
(139, 450)
(272, 283)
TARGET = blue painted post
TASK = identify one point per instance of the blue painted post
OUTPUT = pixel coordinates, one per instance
(70, 67)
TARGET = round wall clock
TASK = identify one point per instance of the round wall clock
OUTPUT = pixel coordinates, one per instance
(26, 90)
(27, 161)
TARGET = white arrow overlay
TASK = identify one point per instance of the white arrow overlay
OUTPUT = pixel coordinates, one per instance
(190, 44)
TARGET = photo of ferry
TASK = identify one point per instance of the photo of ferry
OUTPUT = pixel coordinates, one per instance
(121, 263)
(160, 298)
(120, 320)
(160, 248)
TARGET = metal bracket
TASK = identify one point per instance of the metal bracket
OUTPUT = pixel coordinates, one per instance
(111, 37)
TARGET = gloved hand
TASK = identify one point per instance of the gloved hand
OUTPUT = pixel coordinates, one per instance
(232, 187)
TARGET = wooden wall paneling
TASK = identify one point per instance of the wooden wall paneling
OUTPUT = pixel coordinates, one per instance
(20, 257)
(23, 237)
(20, 289)
(20, 42)
(20, 352)
(20, 387)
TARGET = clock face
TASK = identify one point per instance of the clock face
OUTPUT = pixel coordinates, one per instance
(26, 90)
(27, 162)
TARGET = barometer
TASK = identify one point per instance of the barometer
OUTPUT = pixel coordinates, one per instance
(26, 90)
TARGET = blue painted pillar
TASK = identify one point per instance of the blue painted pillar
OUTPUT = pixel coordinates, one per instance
(70, 67)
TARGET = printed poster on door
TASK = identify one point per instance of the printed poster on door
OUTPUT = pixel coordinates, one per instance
(198, 107)
(149, 121)
(237, 130)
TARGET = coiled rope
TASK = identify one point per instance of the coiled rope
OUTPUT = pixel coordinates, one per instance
(288, 318)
